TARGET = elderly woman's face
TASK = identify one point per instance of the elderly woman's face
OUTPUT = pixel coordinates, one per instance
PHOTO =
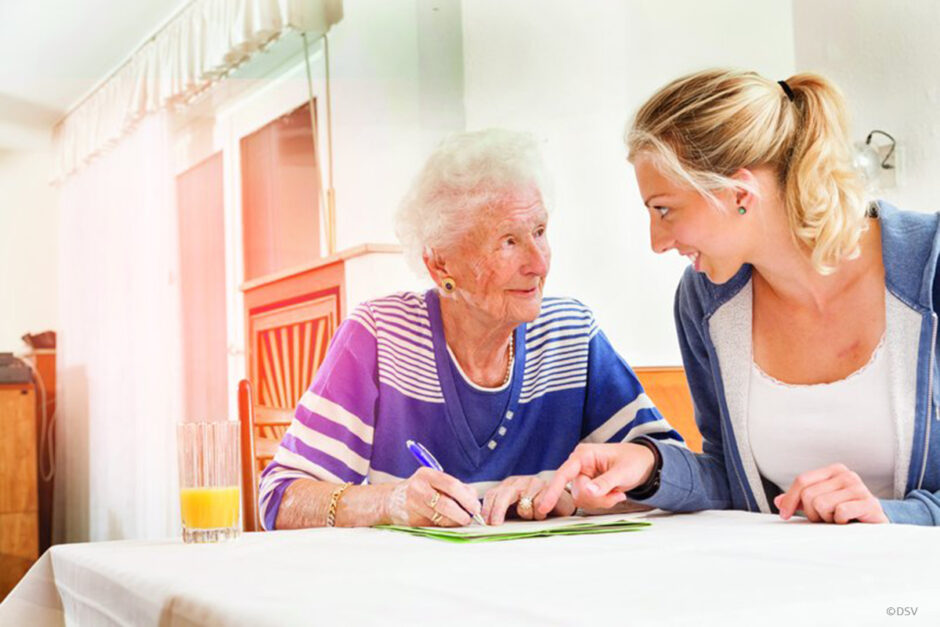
(501, 264)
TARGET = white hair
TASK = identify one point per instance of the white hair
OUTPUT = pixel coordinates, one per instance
(465, 175)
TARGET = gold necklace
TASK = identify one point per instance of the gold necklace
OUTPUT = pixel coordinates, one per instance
(512, 344)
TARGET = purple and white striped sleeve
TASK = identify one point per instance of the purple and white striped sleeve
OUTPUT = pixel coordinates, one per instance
(330, 438)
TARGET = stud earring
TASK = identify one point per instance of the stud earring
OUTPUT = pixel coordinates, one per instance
(448, 284)
(742, 210)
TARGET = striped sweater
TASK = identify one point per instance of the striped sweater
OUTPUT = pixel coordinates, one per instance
(387, 378)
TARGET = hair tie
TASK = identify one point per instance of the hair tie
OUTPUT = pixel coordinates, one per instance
(786, 89)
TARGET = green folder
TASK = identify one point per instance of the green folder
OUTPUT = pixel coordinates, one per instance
(518, 529)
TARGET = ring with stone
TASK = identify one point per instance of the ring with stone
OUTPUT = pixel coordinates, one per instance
(525, 503)
(434, 499)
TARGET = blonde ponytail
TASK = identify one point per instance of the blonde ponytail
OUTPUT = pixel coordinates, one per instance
(825, 198)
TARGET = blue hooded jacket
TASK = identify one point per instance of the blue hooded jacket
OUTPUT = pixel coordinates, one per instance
(714, 328)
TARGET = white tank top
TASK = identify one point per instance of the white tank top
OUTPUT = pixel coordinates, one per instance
(795, 428)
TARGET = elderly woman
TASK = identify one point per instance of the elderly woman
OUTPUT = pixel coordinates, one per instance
(496, 382)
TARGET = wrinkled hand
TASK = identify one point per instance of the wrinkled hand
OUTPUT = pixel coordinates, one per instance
(600, 475)
(430, 497)
(832, 494)
(498, 500)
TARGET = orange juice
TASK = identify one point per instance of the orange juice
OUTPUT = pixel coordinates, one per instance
(209, 508)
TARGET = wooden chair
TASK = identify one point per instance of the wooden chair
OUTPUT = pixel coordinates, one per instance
(261, 431)
(668, 388)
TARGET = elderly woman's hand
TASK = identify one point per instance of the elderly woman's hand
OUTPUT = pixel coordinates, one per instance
(522, 492)
(430, 497)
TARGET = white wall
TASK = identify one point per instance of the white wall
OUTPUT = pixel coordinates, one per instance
(885, 57)
(407, 73)
(572, 73)
(397, 87)
(28, 247)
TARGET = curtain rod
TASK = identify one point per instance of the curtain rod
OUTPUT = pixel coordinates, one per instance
(91, 92)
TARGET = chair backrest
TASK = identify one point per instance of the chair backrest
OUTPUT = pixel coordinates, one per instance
(668, 388)
(261, 431)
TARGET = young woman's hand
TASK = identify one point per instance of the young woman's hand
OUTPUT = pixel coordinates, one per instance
(600, 475)
(832, 494)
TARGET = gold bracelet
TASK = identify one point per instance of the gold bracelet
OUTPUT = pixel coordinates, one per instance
(334, 501)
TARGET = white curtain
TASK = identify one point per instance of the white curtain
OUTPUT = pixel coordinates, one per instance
(196, 48)
(119, 345)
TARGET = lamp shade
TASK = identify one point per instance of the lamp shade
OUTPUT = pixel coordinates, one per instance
(315, 17)
(867, 162)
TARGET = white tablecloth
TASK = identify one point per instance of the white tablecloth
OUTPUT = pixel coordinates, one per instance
(707, 568)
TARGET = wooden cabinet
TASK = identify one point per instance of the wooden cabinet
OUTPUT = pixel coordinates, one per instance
(44, 361)
(19, 502)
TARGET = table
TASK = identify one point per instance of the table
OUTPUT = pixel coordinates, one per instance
(714, 567)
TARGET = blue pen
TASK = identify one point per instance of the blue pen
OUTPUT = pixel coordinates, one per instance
(427, 460)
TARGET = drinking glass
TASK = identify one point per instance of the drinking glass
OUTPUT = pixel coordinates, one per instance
(209, 477)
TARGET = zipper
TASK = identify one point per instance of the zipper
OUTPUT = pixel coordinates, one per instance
(931, 408)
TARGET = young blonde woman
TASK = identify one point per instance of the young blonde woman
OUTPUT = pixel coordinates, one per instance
(807, 321)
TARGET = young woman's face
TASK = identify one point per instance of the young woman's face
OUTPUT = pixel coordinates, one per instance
(713, 239)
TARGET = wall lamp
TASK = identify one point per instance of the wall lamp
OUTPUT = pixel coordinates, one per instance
(872, 160)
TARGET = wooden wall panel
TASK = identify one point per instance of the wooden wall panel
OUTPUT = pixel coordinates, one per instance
(669, 390)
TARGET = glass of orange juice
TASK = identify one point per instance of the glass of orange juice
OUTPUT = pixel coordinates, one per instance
(209, 476)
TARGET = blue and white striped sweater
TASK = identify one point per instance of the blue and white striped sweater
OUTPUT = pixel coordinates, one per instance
(386, 379)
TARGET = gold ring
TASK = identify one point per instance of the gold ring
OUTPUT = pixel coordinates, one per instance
(436, 518)
(434, 499)
(525, 503)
